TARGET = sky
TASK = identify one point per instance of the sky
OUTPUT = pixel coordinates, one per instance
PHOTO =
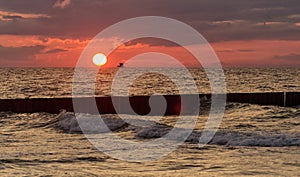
(243, 33)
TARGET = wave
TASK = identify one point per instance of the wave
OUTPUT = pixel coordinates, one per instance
(68, 122)
(229, 138)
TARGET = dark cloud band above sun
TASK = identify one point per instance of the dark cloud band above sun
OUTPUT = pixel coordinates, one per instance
(56, 51)
(217, 20)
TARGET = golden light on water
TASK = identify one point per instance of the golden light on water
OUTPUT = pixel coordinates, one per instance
(99, 59)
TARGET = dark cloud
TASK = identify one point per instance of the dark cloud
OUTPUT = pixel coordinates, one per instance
(56, 51)
(246, 50)
(151, 41)
(216, 20)
(20, 53)
(290, 57)
(12, 17)
(225, 51)
(232, 51)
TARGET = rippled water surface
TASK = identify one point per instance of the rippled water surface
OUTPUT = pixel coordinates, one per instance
(57, 82)
(251, 140)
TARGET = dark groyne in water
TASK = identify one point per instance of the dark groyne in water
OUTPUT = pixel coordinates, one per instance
(140, 104)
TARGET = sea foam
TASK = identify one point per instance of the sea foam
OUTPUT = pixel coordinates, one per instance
(68, 122)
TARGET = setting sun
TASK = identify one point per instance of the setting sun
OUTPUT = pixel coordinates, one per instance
(99, 59)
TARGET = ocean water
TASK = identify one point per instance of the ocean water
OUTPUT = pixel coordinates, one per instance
(57, 82)
(251, 140)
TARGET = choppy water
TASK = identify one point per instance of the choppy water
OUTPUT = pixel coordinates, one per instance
(252, 139)
(57, 82)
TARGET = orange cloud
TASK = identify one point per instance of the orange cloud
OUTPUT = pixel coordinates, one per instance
(65, 52)
(55, 53)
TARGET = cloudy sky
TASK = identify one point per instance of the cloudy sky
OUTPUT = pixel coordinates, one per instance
(244, 33)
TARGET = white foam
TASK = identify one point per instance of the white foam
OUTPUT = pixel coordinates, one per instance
(230, 138)
(257, 139)
(69, 123)
(89, 123)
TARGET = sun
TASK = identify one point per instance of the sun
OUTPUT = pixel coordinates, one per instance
(99, 59)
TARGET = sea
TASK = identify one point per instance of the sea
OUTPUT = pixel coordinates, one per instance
(251, 140)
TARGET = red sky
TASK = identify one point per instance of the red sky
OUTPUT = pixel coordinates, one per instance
(243, 34)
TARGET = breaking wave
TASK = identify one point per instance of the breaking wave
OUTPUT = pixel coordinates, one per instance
(67, 122)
